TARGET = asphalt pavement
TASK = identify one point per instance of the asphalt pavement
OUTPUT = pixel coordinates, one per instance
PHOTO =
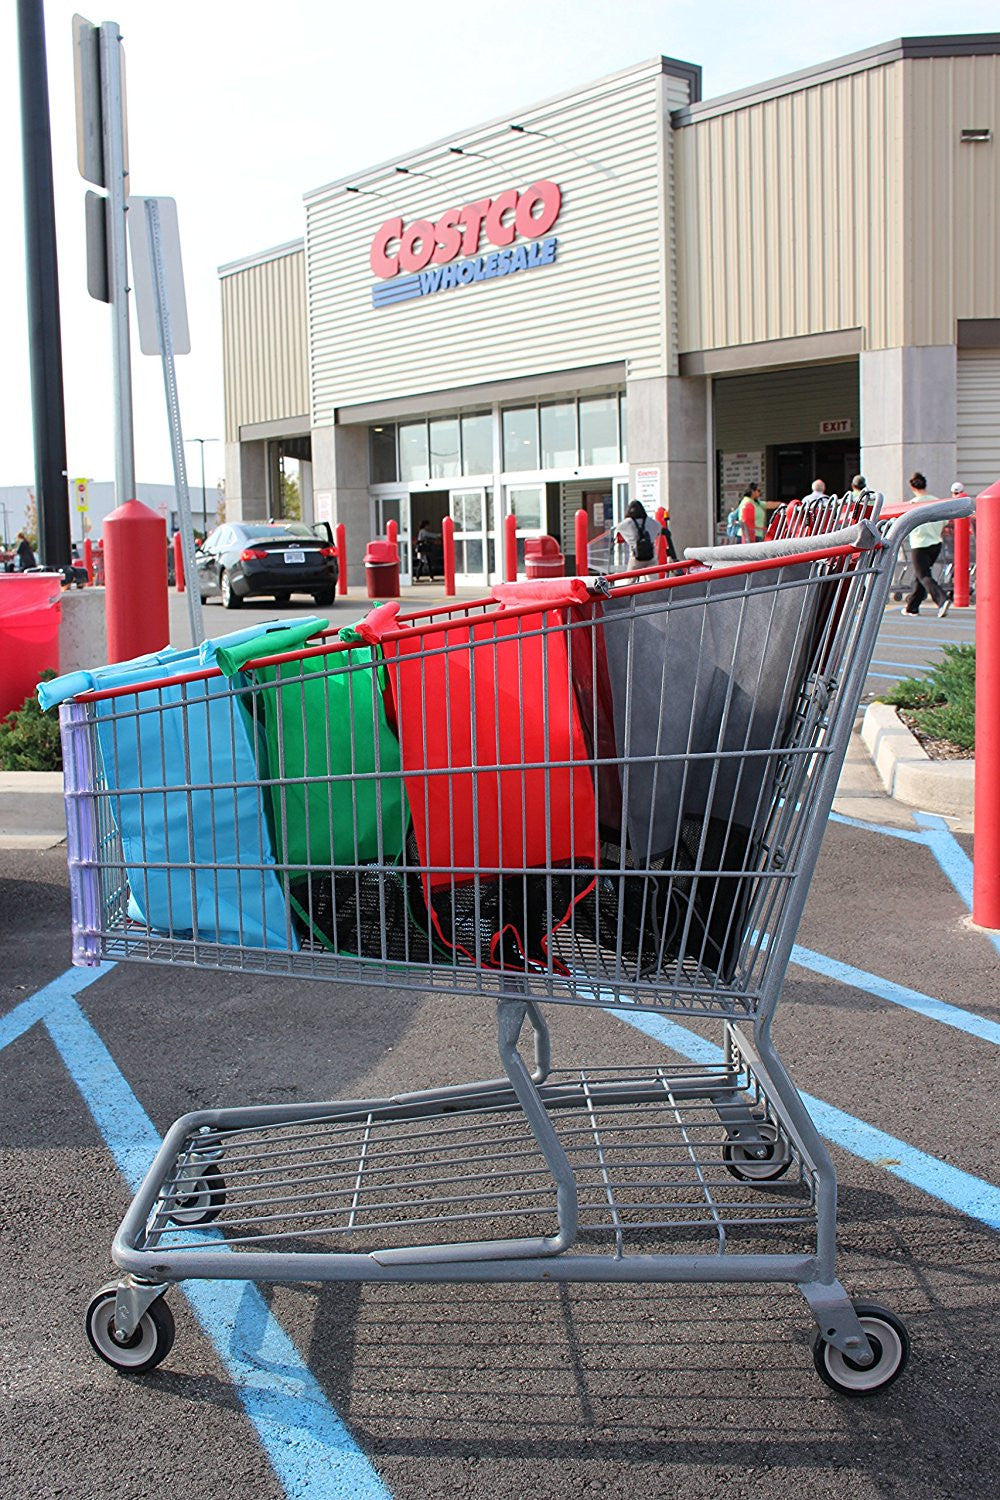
(890, 1023)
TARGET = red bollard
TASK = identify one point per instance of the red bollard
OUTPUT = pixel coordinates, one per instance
(135, 572)
(963, 531)
(178, 562)
(341, 535)
(448, 549)
(581, 528)
(510, 549)
(88, 558)
(392, 535)
(986, 855)
(661, 541)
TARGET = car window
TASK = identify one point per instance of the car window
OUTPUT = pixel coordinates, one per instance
(211, 542)
(292, 530)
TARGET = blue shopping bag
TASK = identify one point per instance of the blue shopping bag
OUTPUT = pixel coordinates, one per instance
(178, 759)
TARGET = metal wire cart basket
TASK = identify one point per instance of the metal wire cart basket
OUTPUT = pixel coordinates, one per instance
(604, 793)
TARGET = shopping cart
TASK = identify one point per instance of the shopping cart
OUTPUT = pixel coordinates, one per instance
(607, 793)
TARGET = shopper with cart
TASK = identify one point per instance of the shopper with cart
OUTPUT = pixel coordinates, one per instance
(925, 547)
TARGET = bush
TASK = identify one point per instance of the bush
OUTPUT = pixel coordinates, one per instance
(29, 739)
(943, 703)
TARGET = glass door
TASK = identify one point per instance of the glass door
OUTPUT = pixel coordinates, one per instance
(396, 508)
(527, 503)
(468, 511)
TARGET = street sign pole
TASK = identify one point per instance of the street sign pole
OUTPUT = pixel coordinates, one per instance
(116, 182)
(150, 207)
(44, 342)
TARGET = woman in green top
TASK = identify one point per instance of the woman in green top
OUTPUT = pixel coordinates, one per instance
(925, 545)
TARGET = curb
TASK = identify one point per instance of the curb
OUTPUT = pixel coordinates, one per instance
(909, 774)
(31, 810)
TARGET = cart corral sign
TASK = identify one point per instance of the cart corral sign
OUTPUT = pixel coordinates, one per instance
(428, 252)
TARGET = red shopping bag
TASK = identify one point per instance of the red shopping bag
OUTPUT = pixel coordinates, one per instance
(495, 764)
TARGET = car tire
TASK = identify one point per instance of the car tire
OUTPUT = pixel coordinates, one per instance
(324, 597)
(230, 599)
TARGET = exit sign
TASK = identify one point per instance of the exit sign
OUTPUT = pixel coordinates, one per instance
(836, 427)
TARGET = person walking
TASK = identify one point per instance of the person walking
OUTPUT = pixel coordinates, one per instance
(636, 535)
(25, 557)
(818, 490)
(753, 514)
(925, 547)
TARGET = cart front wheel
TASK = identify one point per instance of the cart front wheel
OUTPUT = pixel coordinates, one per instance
(148, 1345)
(205, 1200)
(764, 1163)
(890, 1344)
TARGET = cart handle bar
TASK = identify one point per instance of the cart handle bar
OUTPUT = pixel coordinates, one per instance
(439, 626)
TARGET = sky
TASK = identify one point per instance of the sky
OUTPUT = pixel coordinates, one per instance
(236, 108)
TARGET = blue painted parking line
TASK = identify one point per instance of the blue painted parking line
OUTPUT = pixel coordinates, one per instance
(898, 994)
(35, 1007)
(310, 1449)
(888, 829)
(970, 1195)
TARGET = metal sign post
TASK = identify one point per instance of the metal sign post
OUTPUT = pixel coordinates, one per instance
(159, 291)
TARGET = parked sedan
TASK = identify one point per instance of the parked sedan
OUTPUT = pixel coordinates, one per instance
(246, 559)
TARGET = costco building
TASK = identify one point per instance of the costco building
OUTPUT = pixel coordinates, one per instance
(631, 291)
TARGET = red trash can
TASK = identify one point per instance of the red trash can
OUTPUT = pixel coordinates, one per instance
(382, 570)
(542, 558)
(30, 610)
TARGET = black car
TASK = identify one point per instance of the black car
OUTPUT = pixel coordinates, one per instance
(244, 559)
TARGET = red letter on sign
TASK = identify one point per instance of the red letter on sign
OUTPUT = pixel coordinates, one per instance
(419, 234)
(497, 231)
(449, 236)
(382, 263)
(473, 215)
(547, 196)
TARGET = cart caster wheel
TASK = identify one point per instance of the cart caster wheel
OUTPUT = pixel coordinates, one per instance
(150, 1343)
(890, 1343)
(204, 1202)
(897, 597)
(755, 1163)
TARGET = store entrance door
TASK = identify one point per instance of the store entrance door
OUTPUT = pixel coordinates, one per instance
(472, 552)
(396, 508)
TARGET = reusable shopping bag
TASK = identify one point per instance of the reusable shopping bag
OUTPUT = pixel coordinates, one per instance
(330, 768)
(496, 778)
(179, 759)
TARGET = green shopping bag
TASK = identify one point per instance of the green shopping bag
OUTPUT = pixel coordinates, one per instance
(330, 764)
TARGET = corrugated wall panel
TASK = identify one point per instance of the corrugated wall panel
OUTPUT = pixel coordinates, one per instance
(603, 300)
(790, 212)
(978, 418)
(264, 342)
(784, 406)
(953, 195)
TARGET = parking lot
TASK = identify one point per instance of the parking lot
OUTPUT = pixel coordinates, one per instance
(890, 1024)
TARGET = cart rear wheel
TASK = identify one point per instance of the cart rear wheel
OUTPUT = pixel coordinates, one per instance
(205, 1200)
(149, 1344)
(890, 1343)
(764, 1163)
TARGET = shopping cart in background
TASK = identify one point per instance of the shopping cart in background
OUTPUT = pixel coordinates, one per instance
(607, 793)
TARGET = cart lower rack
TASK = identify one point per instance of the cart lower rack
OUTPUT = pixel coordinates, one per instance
(605, 793)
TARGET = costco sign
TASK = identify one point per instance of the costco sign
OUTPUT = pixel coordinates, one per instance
(416, 259)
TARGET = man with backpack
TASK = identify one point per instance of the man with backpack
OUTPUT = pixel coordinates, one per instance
(635, 532)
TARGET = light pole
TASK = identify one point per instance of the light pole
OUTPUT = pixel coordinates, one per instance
(204, 503)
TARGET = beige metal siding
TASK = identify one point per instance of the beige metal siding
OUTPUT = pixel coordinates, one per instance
(790, 217)
(978, 418)
(784, 406)
(953, 196)
(603, 299)
(264, 342)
